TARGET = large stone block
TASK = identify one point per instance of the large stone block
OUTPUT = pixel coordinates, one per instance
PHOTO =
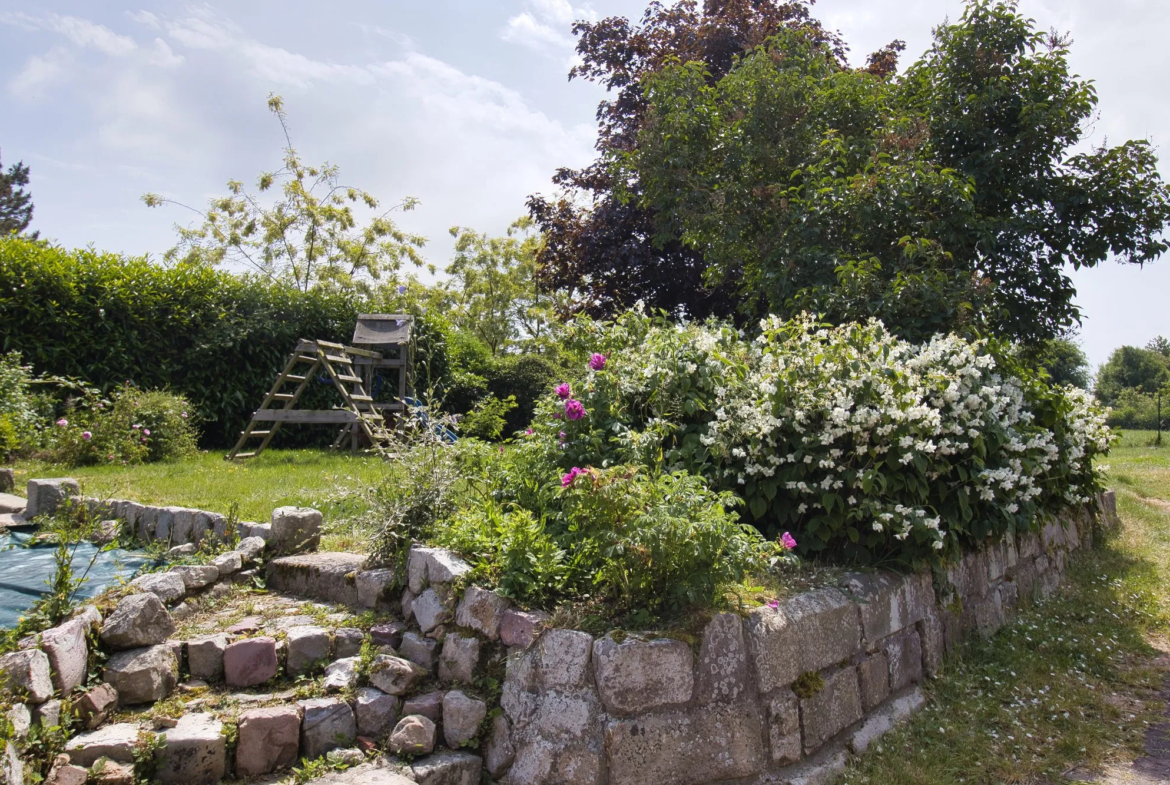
(228, 563)
(716, 742)
(459, 658)
(569, 764)
(413, 735)
(67, 647)
(394, 675)
(429, 705)
(194, 752)
(636, 676)
(308, 649)
(7, 480)
(461, 718)
(889, 603)
(167, 586)
(482, 610)
(330, 577)
(373, 587)
(205, 657)
(376, 713)
(45, 497)
(347, 642)
(784, 727)
(115, 742)
(448, 768)
(563, 658)
(143, 675)
(904, 652)
(268, 740)
(881, 721)
(930, 633)
(499, 751)
(139, 620)
(835, 707)
(328, 724)
(807, 633)
(27, 674)
(342, 675)
(432, 608)
(295, 529)
(249, 662)
(95, 705)
(521, 628)
(873, 676)
(197, 576)
(722, 673)
(423, 652)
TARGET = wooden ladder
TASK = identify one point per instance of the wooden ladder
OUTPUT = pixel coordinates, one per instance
(336, 359)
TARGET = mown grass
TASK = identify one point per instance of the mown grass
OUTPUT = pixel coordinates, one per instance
(1071, 684)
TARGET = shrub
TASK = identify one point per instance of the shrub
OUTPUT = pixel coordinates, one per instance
(487, 419)
(18, 404)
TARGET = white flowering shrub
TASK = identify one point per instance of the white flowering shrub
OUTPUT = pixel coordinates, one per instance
(857, 440)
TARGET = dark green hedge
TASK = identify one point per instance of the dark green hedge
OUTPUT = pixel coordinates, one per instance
(217, 338)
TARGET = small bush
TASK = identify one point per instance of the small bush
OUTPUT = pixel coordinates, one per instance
(487, 419)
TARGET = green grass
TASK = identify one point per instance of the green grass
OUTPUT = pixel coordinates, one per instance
(1071, 683)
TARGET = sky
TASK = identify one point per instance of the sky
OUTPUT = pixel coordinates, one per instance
(463, 104)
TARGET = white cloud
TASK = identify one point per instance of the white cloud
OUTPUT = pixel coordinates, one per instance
(545, 27)
(40, 73)
(144, 18)
(88, 34)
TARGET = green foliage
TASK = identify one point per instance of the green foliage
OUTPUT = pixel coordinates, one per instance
(309, 237)
(943, 200)
(486, 421)
(1063, 360)
(1132, 408)
(16, 207)
(1134, 369)
(19, 411)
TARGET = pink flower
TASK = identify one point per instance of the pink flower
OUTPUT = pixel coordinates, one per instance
(146, 432)
(562, 435)
(574, 409)
(597, 362)
(528, 432)
(573, 474)
(563, 390)
(62, 423)
(183, 415)
(86, 435)
(774, 604)
(136, 426)
(788, 542)
(109, 457)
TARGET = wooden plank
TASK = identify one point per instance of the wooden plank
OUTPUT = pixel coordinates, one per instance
(361, 398)
(339, 360)
(351, 350)
(304, 416)
(257, 433)
(283, 396)
(392, 362)
(344, 378)
(294, 378)
(245, 455)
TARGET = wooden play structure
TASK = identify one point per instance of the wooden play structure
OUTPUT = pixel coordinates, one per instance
(380, 354)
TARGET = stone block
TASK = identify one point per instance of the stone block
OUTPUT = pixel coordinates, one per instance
(571, 764)
(115, 742)
(328, 724)
(807, 633)
(930, 634)
(784, 727)
(167, 586)
(7, 480)
(373, 587)
(251, 547)
(388, 634)
(295, 529)
(11, 505)
(249, 662)
(194, 752)
(45, 497)
(713, 743)
(423, 652)
(329, 577)
(499, 751)
(459, 658)
(1028, 545)
(20, 719)
(95, 705)
(482, 610)
(429, 705)
(183, 525)
(722, 673)
(432, 608)
(28, 675)
(48, 714)
(147, 522)
(1107, 505)
(563, 658)
(197, 576)
(179, 551)
(987, 615)
(228, 563)
(394, 675)
(112, 773)
(347, 642)
(461, 718)
(64, 773)
(873, 676)
(904, 652)
(831, 710)
(308, 649)
(637, 676)
(139, 620)
(143, 675)
(342, 675)
(164, 523)
(376, 713)
(881, 721)
(448, 768)
(205, 657)
(269, 740)
(413, 735)
(969, 576)
(521, 628)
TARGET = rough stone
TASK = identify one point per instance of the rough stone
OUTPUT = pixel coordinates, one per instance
(394, 675)
(407, 604)
(388, 634)
(366, 774)
(784, 727)
(45, 496)
(444, 566)
(824, 768)
(197, 576)
(249, 662)
(295, 529)
(930, 633)
(179, 551)
(251, 547)
(21, 720)
(448, 768)
(164, 522)
(307, 647)
(884, 719)
(184, 527)
(115, 742)
(269, 740)
(67, 648)
(139, 620)
(350, 757)
(27, 673)
(423, 652)
(461, 718)
(63, 773)
(194, 752)
(459, 658)
(146, 523)
(572, 764)
(429, 705)
(563, 658)
(112, 773)
(47, 714)
(717, 742)
(328, 724)
(636, 676)
(830, 710)
(482, 610)
(807, 633)
(228, 563)
(168, 586)
(432, 608)
(889, 603)
(521, 628)
(342, 674)
(414, 734)
(372, 586)
(376, 712)
(499, 751)
(143, 675)
(321, 576)
(873, 676)
(205, 656)
(987, 615)
(722, 673)
(347, 642)
(558, 737)
(7, 480)
(96, 704)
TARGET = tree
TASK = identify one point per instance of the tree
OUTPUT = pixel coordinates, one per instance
(16, 207)
(1131, 369)
(1159, 345)
(308, 237)
(1064, 361)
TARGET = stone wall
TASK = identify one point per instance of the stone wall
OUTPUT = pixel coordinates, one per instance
(780, 695)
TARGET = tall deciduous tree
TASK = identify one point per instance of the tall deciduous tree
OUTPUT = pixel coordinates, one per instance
(16, 207)
(309, 236)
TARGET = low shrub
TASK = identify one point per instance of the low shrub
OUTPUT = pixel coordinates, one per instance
(19, 406)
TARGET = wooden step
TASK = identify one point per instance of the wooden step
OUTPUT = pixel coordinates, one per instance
(294, 378)
(332, 358)
(307, 358)
(345, 378)
(245, 455)
(283, 396)
(256, 433)
(361, 398)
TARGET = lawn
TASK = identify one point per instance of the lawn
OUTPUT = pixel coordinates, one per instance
(1070, 685)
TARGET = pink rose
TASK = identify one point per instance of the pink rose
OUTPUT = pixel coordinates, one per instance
(597, 362)
(573, 474)
(146, 432)
(563, 391)
(788, 542)
(86, 435)
(62, 423)
(574, 409)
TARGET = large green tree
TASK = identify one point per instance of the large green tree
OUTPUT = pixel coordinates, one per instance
(16, 207)
(1133, 369)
